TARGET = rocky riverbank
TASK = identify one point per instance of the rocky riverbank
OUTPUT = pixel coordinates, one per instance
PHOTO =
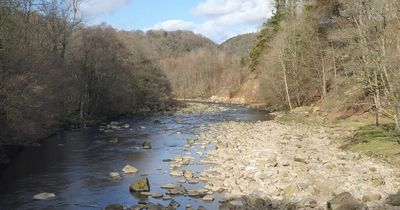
(293, 166)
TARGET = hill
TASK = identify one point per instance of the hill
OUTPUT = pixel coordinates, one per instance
(240, 45)
(166, 44)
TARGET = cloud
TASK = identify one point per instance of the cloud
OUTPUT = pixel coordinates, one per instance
(173, 25)
(95, 8)
(224, 18)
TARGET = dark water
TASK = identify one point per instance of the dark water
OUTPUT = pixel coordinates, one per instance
(75, 165)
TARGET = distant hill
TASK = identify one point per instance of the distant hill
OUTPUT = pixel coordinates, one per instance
(165, 44)
(240, 45)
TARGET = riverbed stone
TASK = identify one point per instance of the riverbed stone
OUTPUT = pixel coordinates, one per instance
(176, 191)
(188, 174)
(197, 193)
(236, 203)
(114, 207)
(114, 140)
(128, 169)
(394, 199)
(193, 181)
(167, 197)
(157, 121)
(43, 196)
(344, 201)
(173, 205)
(141, 185)
(370, 197)
(208, 198)
(152, 206)
(290, 191)
(147, 145)
(115, 175)
(169, 186)
(146, 193)
(176, 173)
(156, 195)
(138, 207)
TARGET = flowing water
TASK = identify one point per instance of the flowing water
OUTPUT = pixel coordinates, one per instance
(75, 165)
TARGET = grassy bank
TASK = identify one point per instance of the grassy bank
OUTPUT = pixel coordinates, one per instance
(357, 133)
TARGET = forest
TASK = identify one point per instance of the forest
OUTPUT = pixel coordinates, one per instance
(57, 72)
(343, 54)
(302, 113)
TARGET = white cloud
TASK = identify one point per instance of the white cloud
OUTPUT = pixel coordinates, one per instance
(225, 18)
(95, 8)
(173, 25)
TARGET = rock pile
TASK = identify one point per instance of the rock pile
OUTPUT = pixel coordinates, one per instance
(294, 164)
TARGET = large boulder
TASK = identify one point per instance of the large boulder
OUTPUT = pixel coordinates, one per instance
(344, 201)
(141, 185)
(394, 200)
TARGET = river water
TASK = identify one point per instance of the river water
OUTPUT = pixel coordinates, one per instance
(75, 165)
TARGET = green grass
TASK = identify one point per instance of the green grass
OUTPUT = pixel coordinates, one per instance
(358, 133)
(376, 141)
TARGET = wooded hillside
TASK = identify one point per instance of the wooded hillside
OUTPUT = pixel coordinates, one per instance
(340, 53)
(56, 72)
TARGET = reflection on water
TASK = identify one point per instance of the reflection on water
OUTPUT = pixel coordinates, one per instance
(75, 164)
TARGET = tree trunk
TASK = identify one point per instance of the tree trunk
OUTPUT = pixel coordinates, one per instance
(285, 80)
(324, 92)
(397, 118)
(377, 97)
(335, 69)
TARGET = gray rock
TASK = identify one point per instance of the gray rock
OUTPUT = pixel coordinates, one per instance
(146, 193)
(157, 195)
(179, 190)
(369, 197)
(114, 140)
(236, 203)
(201, 208)
(147, 145)
(114, 207)
(141, 185)
(197, 193)
(394, 200)
(157, 121)
(301, 159)
(115, 175)
(176, 173)
(43, 196)
(169, 186)
(208, 198)
(173, 205)
(152, 206)
(138, 207)
(128, 169)
(167, 197)
(188, 174)
(344, 201)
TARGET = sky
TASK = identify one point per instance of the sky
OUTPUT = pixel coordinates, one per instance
(218, 20)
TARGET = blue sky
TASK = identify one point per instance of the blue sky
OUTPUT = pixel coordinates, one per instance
(216, 19)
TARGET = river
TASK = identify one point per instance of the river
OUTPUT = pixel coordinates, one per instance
(75, 165)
